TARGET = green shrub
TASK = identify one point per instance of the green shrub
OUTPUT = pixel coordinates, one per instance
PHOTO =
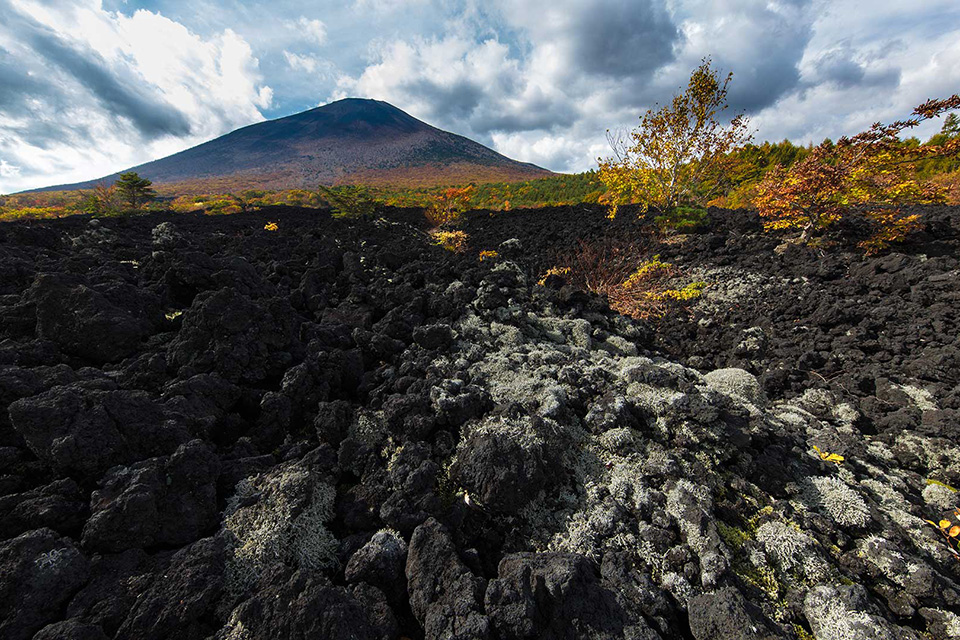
(682, 220)
(348, 201)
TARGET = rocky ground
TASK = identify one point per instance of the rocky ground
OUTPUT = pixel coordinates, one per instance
(338, 430)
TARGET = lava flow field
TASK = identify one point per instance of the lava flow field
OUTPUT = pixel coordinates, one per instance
(337, 429)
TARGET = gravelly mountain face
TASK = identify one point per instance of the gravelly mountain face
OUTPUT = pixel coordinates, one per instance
(337, 429)
(348, 141)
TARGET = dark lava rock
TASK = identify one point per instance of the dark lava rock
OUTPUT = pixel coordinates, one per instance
(434, 336)
(71, 630)
(500, 472)
(333, 419)
(116, 582)
(82, 432)
(445, 597)
(163, 501)
(413, 479)
(307, 606)
(180, 601)
(381, 563)
(240, 338)
(39, 571)
(83, 322)
(726, 614)
(557, 595)
(60, 506)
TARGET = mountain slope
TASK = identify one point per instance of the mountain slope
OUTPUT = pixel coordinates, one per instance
(345, 142)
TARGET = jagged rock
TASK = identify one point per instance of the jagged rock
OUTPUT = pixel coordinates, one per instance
(726, 614)
(434, 336)
(445, 597)
(83, 322)
(240, 338)
(60, 506)
(71, 630)
(39, 572)
(180, 601)
(309, 606)
(381, 563)
(332, 421)
(413, 499)
(502, 471)
(116, 582)
(158, 502)
(83, 431)
(557, 595)
(202, 402)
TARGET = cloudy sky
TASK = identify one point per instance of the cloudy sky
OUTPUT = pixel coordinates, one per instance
(88, 87)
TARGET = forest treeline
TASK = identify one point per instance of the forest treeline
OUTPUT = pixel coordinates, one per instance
(735, 187)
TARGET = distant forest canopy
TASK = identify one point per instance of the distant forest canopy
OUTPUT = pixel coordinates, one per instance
(735, 188)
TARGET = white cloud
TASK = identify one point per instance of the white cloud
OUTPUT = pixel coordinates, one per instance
(306, 63)
(540, 80)
(314, 30)
(103, 91)
(8, 170)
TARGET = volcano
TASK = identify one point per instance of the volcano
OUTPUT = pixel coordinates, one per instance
(350, 141)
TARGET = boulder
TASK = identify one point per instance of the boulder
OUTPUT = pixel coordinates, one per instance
(83, 322)
(83, 431)
(169, 501)
(727, 614)
(445, 597)
(39, 572)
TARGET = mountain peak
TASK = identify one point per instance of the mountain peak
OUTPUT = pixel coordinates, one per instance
(348, 141)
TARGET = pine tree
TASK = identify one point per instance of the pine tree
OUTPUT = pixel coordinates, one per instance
(133, 190)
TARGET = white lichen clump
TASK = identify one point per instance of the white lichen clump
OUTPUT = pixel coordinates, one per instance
(783, 544)
(840, 501)
(263, 530)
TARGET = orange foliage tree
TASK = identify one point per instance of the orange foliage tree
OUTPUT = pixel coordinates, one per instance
(675, 149)
(873, 169)
(449, 204)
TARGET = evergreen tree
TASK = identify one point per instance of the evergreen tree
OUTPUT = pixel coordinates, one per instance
(133, 190)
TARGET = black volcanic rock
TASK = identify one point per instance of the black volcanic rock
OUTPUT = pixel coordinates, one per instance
(349, 140)
(338, 429)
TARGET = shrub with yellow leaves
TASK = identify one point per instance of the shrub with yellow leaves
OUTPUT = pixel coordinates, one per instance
(455, 241)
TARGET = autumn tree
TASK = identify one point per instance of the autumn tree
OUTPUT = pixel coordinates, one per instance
(448, 204)
(873, 170)
(133, 190)
(101, 201)
(676, 148)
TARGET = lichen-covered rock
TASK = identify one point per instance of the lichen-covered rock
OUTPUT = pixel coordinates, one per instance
(844, 613)
(736, 382)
